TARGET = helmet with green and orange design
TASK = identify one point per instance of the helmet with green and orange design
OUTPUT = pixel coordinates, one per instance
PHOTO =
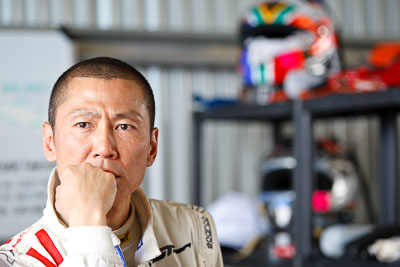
(287, 44)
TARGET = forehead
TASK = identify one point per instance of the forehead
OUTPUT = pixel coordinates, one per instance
(108, 93)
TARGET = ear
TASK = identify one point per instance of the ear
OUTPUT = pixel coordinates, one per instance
(151, 157)
(48, 146)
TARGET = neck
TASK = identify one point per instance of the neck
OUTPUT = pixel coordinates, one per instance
(119, 214)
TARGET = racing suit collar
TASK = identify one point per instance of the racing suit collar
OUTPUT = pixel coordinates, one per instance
(148, 248)
(50, 211)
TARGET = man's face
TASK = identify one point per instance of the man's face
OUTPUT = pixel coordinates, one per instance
(105, 123)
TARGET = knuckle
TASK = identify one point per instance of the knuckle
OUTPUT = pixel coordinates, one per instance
(109, 176)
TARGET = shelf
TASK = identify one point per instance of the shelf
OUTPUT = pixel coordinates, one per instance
(324, 262)
(335, 105)
(383, 104)
(342, 105)
(279, 111)
(169, 49)
(259, 259)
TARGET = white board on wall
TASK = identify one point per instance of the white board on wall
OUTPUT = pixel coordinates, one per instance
(30, 63)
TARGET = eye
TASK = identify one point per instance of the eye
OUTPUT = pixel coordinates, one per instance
(82, 124)
(124, 127)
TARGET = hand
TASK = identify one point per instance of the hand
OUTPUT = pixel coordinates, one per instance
(85, 195)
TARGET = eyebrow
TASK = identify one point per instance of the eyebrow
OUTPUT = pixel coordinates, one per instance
(84, 113)
(89, 113)
(130, 114)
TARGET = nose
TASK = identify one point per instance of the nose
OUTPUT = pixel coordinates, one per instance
(104, 146)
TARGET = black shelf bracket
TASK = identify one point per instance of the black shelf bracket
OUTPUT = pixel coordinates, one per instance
(302, 181)
(197, 157)
(388, 178)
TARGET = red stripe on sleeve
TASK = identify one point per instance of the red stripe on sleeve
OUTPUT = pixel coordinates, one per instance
(33, 253)
(48, 244)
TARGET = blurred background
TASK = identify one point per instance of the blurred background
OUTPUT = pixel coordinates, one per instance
(185, 48)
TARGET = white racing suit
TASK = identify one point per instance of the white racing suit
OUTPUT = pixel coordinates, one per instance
(168, 234)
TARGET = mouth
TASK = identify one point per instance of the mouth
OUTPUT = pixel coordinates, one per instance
(117, 176)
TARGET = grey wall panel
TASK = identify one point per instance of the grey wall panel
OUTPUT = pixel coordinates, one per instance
(366, 18)
(132, 14)
(348, 18)
(155, 183)
(43, 12)
(208, 165)
(18, 17)
(224, 178)
(180, 142)
(104, 14)
(202, 16)
(392, 21)
(151, 19)
(374, 18)
(223, 11)
(358, 7)
(31, 12)
(234, 153)
(6, 12)
(178, 15)
(117, 14)
(56, 8)
(85, 13)
(360, 18)
(68, 14)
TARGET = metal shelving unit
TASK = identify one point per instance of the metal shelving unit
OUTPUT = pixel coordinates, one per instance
(385, 105)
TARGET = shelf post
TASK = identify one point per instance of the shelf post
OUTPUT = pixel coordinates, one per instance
(388, 181)
(276, 132)
(197, 158)
(302, 181)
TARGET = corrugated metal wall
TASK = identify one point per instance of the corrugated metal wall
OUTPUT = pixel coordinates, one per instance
(233, 151)
(360, 18)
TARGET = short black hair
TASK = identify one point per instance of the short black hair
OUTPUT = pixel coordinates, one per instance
(103, 68)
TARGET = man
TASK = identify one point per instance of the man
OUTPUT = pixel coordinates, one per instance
(101, 134)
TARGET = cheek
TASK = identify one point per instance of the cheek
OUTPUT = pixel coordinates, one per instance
(71, 149)
(134, 151)
(134, 158)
